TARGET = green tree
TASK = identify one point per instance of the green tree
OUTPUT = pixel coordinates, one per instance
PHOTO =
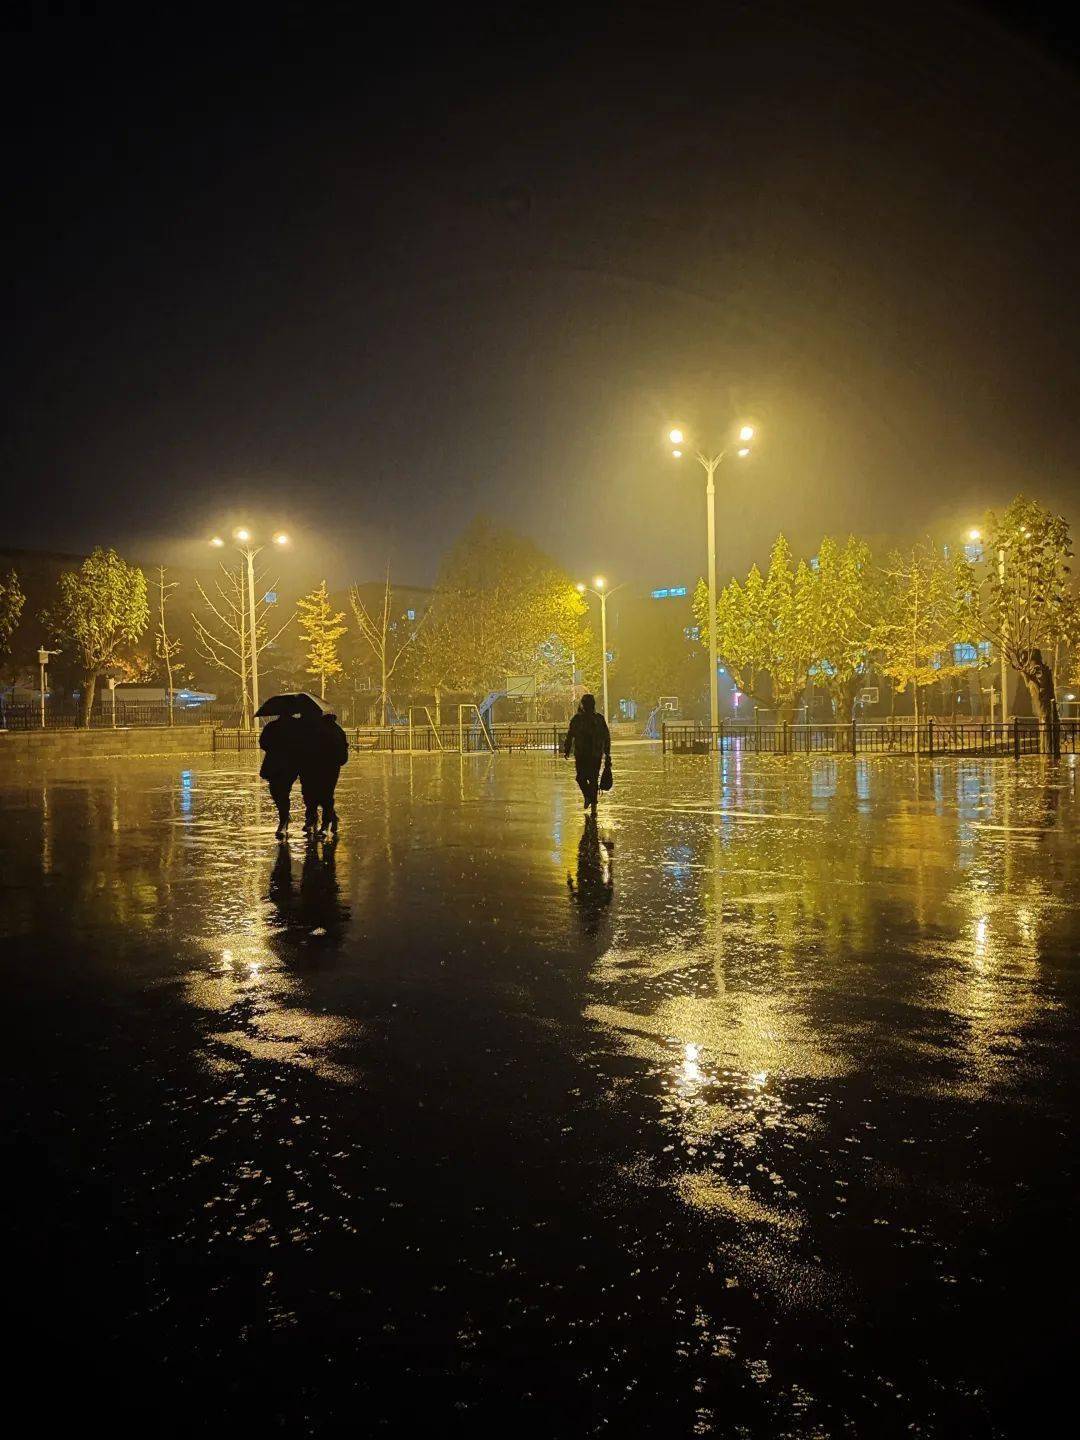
(852, 593)
(101, 607)
(927, 609)
(12, 601)
(1026, 609)
(768, 630)
(320, 629)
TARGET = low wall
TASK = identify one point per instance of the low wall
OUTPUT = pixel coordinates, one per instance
(23, 746)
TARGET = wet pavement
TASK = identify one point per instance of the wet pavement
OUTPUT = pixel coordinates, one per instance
(749, 1112)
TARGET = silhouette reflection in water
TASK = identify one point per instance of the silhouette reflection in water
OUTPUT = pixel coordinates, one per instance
(595, 884)
(315, 909)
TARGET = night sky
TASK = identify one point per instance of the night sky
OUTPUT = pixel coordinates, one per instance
(366, 279)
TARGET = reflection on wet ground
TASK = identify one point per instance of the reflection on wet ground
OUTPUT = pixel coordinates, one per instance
(748, 1111)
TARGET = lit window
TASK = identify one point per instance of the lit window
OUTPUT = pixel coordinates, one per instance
(410, 614)
(660, 594)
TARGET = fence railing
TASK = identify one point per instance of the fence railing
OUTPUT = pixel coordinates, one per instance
(394, 739)
(933, 736)
(129, 714)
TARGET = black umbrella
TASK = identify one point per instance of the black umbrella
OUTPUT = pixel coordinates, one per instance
(299, 704)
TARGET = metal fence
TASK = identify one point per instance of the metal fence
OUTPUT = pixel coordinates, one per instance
(129, 714)
(934, 736)
(426, 739)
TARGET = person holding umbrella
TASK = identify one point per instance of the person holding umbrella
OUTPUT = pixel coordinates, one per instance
(283, 744)
(302, 741)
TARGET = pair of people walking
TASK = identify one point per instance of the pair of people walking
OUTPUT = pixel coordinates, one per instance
(590, 741)
(311, 749)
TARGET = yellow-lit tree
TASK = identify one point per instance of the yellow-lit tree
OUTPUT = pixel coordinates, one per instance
(320, 629)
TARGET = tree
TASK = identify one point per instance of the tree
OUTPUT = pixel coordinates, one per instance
(166, 649)
(927, 610)
(505, 608)
(223, 639)
(430, 659)
(102, 606)
(320, 629)
(851, 587)
(1026, 607)
(387, 636)
(12, 601)
(660, 655)
(768, 628)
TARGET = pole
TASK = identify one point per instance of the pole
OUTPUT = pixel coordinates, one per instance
(603, 644)
(710, 492)
(250, 554)
(1001, 656)
(43, 694)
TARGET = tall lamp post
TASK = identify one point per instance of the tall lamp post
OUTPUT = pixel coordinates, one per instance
(710, 464)
(601, 592)
(974, 552)
(247, 547)
(43, 664)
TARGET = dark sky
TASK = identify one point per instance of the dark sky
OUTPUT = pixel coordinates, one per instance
(367, 278)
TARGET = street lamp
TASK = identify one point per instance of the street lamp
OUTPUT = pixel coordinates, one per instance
(710, 464)
(973, 550)
(601, 592)
(248, 549)
(43, 662)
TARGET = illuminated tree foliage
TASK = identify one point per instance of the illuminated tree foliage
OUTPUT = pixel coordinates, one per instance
(851, 605)
(320, 629)
(102, 607)
(768, 630)
(502, 607)
(927, 609)
(1026, 608)
(12, 601)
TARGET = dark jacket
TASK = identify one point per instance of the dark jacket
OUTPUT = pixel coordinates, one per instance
(326, 747)
(589, 738)
(282, 743)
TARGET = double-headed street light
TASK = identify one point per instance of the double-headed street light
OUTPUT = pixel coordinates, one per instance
(247, 547)
(710, 464)
(973, 550)
(599, 588)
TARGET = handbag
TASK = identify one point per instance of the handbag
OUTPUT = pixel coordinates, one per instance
(606, 780)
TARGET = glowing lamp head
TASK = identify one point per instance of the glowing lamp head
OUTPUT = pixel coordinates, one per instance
(974, 534)
(580, 588)
(281, 538)
(744, 450)
(217, 542)
(677, 454)
(242, 535)
(676, 437)
(746, 433)
(599, 582)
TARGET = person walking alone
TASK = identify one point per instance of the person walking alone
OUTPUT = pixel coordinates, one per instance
(590, 740)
